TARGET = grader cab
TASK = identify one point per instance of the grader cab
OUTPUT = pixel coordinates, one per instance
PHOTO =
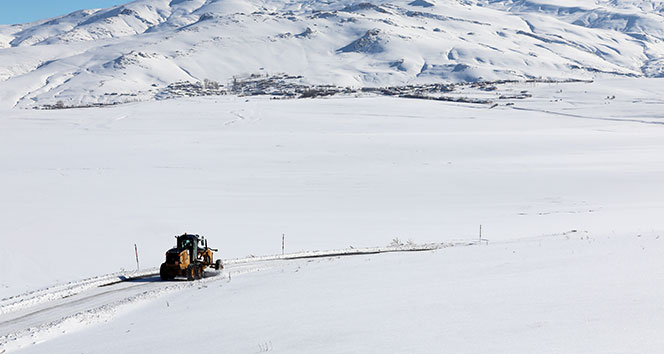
(189, 258)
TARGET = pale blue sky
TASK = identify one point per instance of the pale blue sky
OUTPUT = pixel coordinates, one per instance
(19, 11)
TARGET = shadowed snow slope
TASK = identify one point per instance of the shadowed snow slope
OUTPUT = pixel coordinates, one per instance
(128, 52)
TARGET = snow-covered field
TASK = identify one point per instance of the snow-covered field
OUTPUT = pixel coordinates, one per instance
(85, 185)
(556, 294)
(565, 178)
(566, 184)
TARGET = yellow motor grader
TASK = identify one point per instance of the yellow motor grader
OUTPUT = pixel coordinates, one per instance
(188, 258)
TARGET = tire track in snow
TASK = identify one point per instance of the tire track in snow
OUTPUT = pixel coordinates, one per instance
(85, 309)
(37, 297)
(22, 318)
(52, 311)
(586, 117)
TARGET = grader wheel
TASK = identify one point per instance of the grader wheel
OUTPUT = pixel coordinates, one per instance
(191, 272)
(164, 274)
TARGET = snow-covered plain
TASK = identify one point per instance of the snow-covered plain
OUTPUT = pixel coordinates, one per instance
(577, 168)
(82, 186)
(565, 178)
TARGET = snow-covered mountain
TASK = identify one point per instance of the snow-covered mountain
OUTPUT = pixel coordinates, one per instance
(133, 51)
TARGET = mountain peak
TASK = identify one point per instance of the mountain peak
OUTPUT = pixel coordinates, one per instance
(347, 42)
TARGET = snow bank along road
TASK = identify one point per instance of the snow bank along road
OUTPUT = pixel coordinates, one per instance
(577, 292)
(40, 312)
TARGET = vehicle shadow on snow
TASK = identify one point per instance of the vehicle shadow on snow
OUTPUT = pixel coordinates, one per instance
(148, 279)
(156, 278)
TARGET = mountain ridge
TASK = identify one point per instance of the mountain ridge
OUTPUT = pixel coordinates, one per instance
(128, 52)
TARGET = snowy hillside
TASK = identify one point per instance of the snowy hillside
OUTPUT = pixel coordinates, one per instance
(515, 180)
(133, 52)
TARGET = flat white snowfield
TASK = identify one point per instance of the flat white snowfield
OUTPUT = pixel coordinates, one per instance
(578, 166)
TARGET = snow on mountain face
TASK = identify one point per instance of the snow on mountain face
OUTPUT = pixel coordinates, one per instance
(130, 52)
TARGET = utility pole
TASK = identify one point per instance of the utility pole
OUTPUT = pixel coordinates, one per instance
(283, 243)
(137, 264)
(480, 234)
